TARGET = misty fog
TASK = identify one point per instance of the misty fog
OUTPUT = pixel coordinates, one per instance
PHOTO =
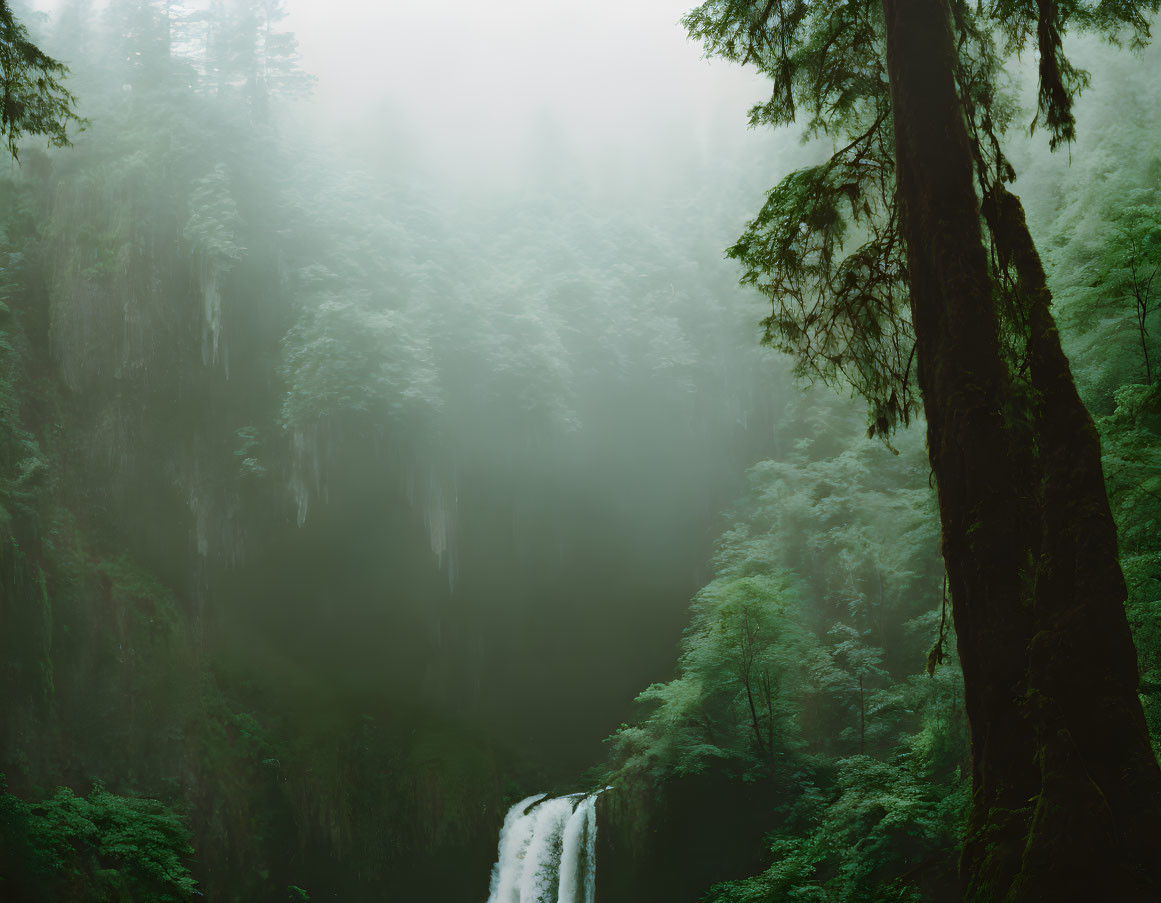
(407, 492)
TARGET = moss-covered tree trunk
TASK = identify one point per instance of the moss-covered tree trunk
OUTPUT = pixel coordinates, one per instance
(1100, 791)
(1064, 785)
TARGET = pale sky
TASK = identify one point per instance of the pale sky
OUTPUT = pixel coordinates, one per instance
(475, 77)
(616, 83)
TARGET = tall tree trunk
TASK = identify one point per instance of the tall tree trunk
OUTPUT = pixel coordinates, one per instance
(1061, 768)
(987, 516)
(1100, 788)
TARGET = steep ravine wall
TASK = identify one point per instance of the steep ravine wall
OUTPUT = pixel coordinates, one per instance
(670, 844)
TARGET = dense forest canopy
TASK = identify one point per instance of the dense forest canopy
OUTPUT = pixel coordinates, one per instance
(382, 414)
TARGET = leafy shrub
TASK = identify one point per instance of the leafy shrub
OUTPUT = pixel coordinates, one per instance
(102, 847)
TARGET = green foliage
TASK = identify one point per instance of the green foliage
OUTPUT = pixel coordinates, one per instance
(352, 330)
(821, 250)
(1132, 460)
(247, 53)
(33, 99)
(869, 839)
(732, 705)
(1061, 82)
(102, 847)
(1127, 276)
(214, 227)
(803, 668)
(825, 249)
(1106, 256)
(347, 358)
(841, 316)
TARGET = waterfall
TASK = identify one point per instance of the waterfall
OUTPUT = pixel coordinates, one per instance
(578, 854)
(548, 851)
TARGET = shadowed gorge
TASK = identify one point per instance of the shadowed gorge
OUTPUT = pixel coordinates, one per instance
(406, 408)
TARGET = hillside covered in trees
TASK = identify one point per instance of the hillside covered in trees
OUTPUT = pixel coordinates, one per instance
(369, 463)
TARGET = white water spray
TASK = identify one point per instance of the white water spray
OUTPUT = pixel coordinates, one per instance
(548, 851)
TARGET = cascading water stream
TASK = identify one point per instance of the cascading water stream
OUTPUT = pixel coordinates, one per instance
(548, 851)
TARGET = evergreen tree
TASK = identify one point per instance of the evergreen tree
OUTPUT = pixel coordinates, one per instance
(855, 762)
(911, 94)
(1128, 272)
(34, 100)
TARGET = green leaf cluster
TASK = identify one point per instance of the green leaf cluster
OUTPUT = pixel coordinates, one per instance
(803, 672)
(100, 847)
